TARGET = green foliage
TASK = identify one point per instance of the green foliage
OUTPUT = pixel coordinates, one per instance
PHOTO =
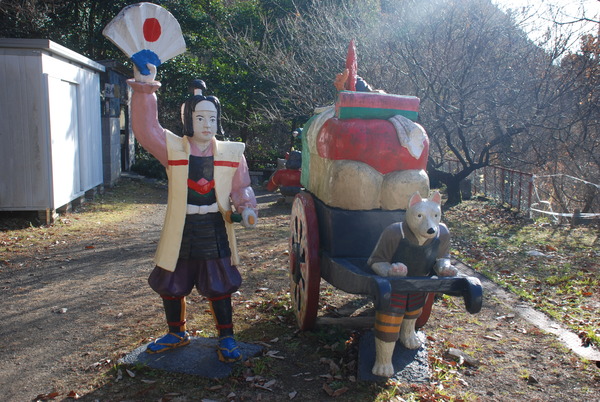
(147, 165)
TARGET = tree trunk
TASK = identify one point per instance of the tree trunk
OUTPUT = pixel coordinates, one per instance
(451, 181)
(453, 191)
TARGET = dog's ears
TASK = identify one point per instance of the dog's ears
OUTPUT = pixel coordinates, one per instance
(414, 199)
(436, 197)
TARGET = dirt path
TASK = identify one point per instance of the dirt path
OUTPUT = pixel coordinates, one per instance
(65, 309)
(72, 306)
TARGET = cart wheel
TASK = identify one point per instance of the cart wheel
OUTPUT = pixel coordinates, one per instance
(422, 320)
(305, 271)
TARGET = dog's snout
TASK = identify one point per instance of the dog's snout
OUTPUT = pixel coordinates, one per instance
(430, 231)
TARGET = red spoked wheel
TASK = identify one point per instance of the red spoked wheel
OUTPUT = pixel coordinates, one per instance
(422, 320)
(305, 271)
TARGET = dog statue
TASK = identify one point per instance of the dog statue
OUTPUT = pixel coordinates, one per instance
(418, 246)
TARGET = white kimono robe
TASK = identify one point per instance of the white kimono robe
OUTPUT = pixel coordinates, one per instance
(227, 157)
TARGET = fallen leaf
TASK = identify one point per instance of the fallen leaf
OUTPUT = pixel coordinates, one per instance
(73, 395)
(532, 380)
(263, 387)
(461, 357)
(292, 394)
(273, 354)
(44, 397)
(340, 391)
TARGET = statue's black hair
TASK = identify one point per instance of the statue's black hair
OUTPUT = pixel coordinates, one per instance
(188, 109)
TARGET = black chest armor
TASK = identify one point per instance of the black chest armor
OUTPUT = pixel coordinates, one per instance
(201, 167)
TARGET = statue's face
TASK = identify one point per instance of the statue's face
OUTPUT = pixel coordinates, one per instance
(204, 120)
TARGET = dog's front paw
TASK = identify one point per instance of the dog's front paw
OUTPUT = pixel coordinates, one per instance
(383, 370)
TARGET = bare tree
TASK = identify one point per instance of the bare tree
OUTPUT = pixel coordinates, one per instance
(300, 54)
(295, 58)
(568, 141)
(477, 77)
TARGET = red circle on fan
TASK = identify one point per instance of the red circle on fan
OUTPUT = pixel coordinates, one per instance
(152, 29)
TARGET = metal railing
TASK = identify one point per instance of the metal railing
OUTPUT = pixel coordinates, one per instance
(507, 186)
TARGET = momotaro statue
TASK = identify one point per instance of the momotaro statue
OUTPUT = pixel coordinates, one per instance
(197, 246)
(419, 246)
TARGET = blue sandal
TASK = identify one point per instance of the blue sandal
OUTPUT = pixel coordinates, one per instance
(170, 341)
(228, 350)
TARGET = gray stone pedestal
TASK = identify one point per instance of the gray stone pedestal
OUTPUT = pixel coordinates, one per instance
(198, 358)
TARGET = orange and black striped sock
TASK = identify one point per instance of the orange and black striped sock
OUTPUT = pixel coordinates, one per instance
(413, 315)
(387, 326)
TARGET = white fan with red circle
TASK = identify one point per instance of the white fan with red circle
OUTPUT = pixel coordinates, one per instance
(147, 33)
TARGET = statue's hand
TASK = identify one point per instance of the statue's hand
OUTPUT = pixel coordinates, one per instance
(249, 218)
(398, 269)
(139, 77)
(443, 267)
(387, 269)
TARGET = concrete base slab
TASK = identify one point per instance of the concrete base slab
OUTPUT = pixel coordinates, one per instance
(411, 366)
(198, 358)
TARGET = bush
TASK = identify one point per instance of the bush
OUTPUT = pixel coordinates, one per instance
(147, 165)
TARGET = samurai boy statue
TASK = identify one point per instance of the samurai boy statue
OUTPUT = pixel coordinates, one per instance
(197, 246)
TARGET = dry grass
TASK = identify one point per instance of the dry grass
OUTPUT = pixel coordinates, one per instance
(554, 267)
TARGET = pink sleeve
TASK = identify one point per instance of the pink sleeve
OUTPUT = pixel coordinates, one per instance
(144, 119)
(242, 193)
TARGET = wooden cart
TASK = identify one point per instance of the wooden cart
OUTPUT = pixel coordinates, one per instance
(332, 242)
